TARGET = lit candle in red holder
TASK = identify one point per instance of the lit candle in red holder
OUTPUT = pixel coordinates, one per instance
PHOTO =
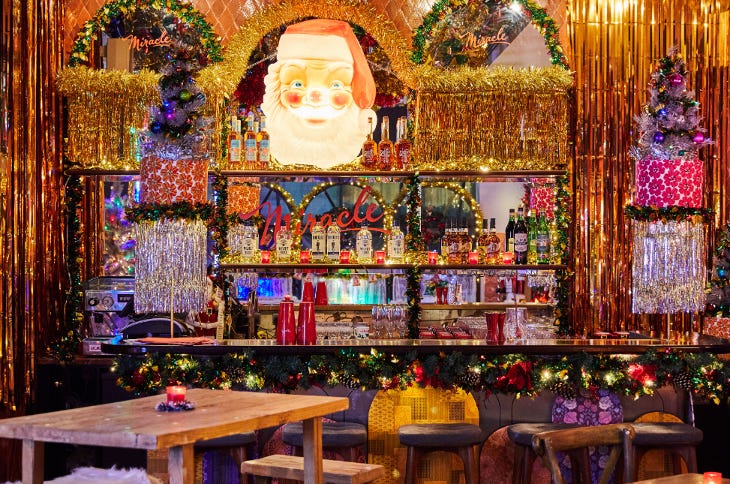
(712, 478)
(473, 257)
(304, 256)
(379, 256)
(508, 257)
(176, 394)
(433, 257)
(265, 257)
(344, 257)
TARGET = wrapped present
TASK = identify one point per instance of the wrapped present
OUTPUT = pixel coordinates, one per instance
(542, 197)
(243, 195)
(663, 183)
(718, 327)
(166, 181)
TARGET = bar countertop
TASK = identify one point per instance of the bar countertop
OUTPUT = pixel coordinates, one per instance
(425, 346)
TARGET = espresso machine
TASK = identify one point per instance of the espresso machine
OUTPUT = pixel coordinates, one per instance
(109, 312)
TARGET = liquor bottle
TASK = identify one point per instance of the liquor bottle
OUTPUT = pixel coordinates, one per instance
(396, 244)
(531, 222)
(556, 256)
(264, 145)
(332, 252)
(249, 144)
(520, 235)
(364, 245)
(543, 239)
(509, 232)
(385, 147)
(402, 146)
(283, 244)
(319, 242)
(370, 150)
(452, 239)
(250, 243)
(465, 245)
(445, 244)
(483, 242)
(493, 244)
(234, 144)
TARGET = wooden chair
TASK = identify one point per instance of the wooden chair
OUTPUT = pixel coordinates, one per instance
(575, 443)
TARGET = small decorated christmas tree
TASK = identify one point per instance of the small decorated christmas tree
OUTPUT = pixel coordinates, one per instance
(177, 118)
(669, 127)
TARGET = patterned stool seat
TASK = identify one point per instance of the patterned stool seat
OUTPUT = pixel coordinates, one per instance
(459, 438)
(334, 434)
(440, 435)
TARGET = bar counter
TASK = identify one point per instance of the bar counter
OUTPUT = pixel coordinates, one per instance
(426, 346)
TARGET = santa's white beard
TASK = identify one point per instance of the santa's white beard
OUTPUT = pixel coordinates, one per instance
(334, 142)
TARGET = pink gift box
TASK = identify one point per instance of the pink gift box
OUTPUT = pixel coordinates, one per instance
(663, 183)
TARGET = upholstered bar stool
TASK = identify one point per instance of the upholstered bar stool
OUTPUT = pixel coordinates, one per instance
(233, 445)
(679, 439)
(522, 434)
(341, 437)
(461, 439)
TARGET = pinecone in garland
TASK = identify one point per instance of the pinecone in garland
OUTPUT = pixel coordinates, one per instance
(350, 382)
(470, 379)
(683, 380)
(562, 388)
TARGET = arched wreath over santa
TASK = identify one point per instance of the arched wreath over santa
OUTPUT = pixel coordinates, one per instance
(319, 95)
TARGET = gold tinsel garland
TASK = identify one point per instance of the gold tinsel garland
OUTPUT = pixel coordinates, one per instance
(500, 78)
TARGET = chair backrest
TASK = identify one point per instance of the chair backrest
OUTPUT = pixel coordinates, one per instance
(576, 441)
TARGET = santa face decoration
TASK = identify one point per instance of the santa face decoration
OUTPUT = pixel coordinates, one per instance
(318, 95)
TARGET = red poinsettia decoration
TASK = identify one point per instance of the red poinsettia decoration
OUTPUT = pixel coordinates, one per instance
(517, 379)
(644, 374)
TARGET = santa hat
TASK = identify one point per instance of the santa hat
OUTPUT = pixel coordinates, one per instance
(331, 40)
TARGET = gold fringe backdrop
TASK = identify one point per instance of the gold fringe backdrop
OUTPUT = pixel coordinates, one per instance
(32, 273)
(498, 118)
(613, 48)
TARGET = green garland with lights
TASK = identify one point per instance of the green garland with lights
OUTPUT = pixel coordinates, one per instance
(563, 221)
(414, 250)
(210, 43)
(219, 224)
(666, 214)
(703, 374)
(184, 210)
(538, 16)
(66, 344)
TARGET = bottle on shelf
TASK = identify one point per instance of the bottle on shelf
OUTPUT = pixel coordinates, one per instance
(369, 158)
(284, 243)
(319, 242)
(332, 250)
(454, 244)
(483, 241)
(364, 245)
(465, 245)
(234, 144)
(396, 244)
(493, 244)
(249, 144)
(445, 245)
(509, 232)
(556, 255)
(531, 222)
(543, 239)
(402, 145)
(520, 236)
(264, 145)
(385, 146)
(250, 245)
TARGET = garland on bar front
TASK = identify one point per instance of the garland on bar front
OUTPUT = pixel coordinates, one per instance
(66, 343)
(703, 374)
(218, 226)
(665, 214)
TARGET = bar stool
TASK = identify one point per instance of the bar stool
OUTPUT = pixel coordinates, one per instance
(233, 445)
(341, 437)
(521, 435)
(461, 439)
(679, 439)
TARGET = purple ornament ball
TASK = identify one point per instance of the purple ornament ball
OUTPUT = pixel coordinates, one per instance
(698, 137)
(658, 137)
(676, 79)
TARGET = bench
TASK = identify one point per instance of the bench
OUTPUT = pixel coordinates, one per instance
(292, 467)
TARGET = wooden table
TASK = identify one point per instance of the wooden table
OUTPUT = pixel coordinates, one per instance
(680, 479)
(135, 424)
